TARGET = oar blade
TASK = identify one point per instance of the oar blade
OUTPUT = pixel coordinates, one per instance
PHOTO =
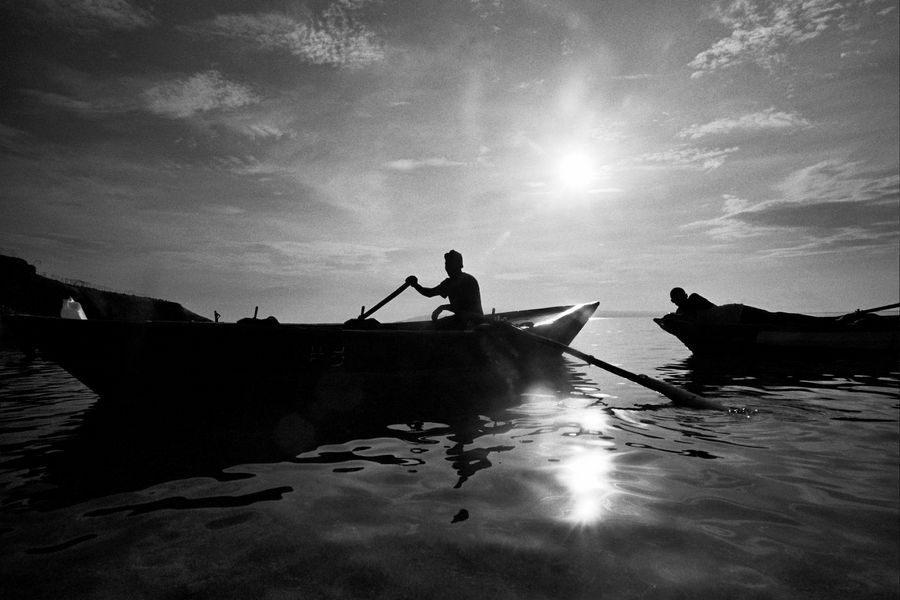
(679, 396)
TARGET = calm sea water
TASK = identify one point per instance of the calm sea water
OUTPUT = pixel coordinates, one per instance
(598, 489)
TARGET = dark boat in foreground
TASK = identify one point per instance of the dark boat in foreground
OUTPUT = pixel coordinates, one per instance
(162, 361)
(736, 328)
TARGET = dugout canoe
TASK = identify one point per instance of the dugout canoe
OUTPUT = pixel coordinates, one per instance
(186, 360)
(740, 329)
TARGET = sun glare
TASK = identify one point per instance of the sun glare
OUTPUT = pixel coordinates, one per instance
(586, 478)
(575, 171)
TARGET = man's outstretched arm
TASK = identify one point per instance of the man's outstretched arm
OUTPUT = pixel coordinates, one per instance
(413, 282)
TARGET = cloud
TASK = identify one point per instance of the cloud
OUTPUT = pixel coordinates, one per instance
(336, 37)
(825, 207)
(767, 120)
(226, 211)
(631, 77)
(93, 96)
(848, 239)
(762, 33)
(838, 181)
(267, 123)
(200, 93)
(515, 276)
(485, 157)
(683, 156)
(264, 131)
(833, 216)
(96, 15)
(85, 92)
(486, 9)
(246, 165)
(408, 164)
(297, 258)
(10, 137)
(99, 105)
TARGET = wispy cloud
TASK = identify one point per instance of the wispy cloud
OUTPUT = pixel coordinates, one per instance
(487, 9)
(516, 276)
(226, 211)
(408, 164)
(264, 131)
(246, 165)
(265, 122)
(763, 33)
(631, 77)
(687, 157)
(96, 15)
(839, 181)
(335, 37)
(200, 93)
(825, 207)
(60, 86)
(847, 239)
(10, 137)
(96, 103)
(297, 258)
(768, 120)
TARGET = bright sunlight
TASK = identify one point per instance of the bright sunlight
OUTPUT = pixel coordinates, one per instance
(575, 171)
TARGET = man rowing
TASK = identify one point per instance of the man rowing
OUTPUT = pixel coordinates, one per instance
(460, 288)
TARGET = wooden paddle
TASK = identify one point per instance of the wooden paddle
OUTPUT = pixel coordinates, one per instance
(390, 297)
(871, 310)
(676, 394)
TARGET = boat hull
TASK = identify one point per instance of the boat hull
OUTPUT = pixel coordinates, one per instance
(218, 361)
(739, 329)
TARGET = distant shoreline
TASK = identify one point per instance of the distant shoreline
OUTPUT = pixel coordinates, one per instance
(612, 314)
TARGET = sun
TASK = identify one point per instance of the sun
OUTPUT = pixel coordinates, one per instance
(575, 170)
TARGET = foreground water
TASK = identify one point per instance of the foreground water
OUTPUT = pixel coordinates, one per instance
(597, 489)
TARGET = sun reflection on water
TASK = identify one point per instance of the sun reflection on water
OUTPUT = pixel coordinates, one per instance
(585, 476)
(584, 468)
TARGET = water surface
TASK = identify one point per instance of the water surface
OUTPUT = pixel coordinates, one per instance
(596, 488)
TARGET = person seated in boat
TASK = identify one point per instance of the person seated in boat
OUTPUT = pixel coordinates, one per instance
(688, 306)
(460, 288)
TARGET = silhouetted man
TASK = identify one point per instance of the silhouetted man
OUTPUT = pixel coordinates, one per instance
(688, 306)
(460, 288)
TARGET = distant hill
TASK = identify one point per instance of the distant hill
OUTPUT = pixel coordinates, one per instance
(23, 290)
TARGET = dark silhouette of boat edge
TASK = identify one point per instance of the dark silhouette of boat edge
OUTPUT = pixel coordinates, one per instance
(739, 329)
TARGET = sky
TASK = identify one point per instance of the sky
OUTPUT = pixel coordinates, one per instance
(305, 157)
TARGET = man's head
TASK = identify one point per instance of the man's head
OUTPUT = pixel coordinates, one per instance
(453, 262)
(678, 296)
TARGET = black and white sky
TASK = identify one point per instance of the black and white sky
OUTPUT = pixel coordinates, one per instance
(305, 157)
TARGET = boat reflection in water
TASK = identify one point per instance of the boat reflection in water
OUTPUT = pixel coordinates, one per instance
(761, 375)
(117, 447)
(557, 419)
(185, 399)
